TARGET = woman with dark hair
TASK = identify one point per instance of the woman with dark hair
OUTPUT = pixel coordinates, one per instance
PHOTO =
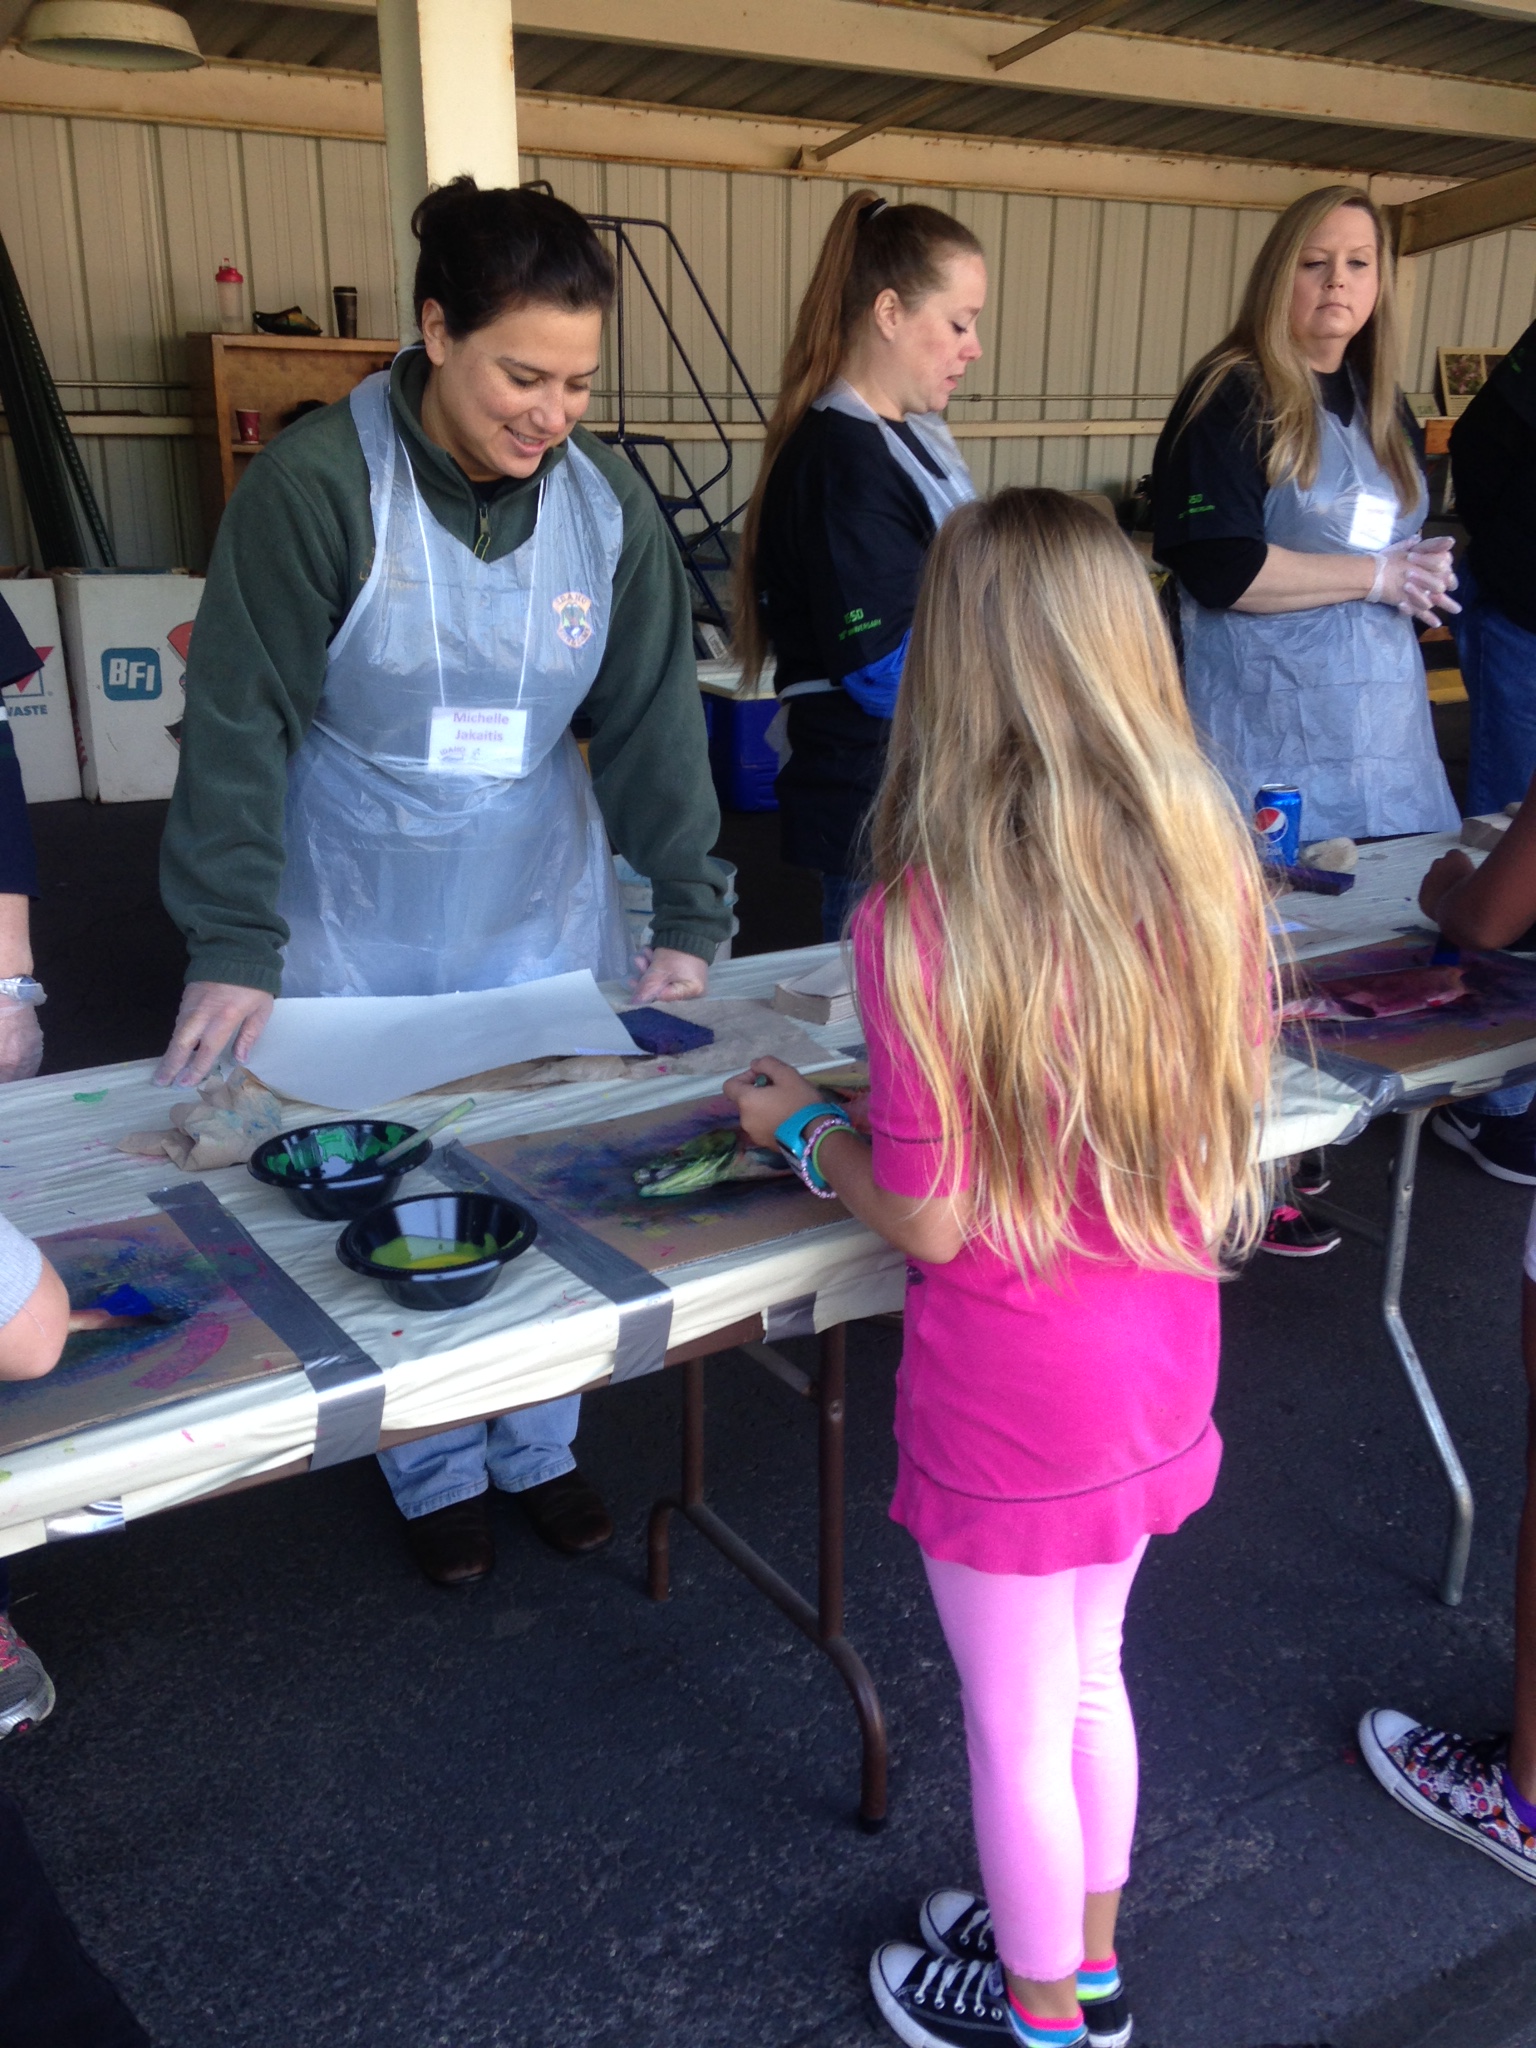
(411, 595)
(859, 472)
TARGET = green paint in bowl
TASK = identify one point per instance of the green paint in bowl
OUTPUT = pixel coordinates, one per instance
(431, 1254)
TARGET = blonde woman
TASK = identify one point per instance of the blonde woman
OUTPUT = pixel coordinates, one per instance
(859, 471)
(1289, 503)
(1061, 971)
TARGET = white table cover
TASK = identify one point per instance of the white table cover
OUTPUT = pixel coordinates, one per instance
(539, 1333)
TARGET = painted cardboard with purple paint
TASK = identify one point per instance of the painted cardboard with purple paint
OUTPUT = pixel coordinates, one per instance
(586, 1174)
(1497, 1009)
(107, 1375)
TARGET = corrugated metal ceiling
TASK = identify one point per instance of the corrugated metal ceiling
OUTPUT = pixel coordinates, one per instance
(1395, 32)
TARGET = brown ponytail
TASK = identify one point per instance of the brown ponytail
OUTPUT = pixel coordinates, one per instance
(870, 247)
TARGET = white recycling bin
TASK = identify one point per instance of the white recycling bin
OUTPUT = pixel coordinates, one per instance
(126, 640)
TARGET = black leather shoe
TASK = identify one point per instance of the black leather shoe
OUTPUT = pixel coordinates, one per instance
(453, 1545)
(568, 1514)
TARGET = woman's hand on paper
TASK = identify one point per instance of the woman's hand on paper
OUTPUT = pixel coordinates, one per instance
(668, 976)
(765, 1094)
(212, 1013)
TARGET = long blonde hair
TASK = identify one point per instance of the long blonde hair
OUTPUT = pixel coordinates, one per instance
(869, 248)
(1075, 942)
(1262, 341)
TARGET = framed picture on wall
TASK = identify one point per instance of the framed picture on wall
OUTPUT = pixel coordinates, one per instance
(1463, 373)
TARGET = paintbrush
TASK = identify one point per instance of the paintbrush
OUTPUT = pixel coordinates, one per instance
(405, 1145)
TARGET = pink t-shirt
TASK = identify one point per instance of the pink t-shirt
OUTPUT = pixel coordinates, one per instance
(1039, 1426)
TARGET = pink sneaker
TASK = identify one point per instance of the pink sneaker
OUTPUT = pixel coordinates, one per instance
(26, 1690)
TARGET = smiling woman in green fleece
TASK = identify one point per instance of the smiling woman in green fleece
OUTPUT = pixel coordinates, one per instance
(411, 595)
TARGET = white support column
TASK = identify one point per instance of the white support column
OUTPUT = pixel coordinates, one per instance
(450, 105)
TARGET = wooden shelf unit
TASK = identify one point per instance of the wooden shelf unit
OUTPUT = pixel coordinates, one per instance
(269, 374)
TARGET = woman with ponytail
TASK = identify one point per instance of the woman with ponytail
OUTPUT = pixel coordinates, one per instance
(859, 472)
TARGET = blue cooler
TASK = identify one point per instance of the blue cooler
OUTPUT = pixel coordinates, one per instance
(742, 762)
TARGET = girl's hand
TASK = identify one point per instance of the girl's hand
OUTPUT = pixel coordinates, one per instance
(763, 1103)
(1443, 876)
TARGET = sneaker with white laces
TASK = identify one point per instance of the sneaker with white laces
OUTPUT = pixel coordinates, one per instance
(1455, 1782)
(958, 1923)
(1504, 1146)
(26, 1690)
(933, 2001)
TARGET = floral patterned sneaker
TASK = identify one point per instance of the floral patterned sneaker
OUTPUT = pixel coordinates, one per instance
(26, 1690)
(1454, 1782)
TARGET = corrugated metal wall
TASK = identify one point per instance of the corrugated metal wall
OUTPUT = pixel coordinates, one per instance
(116, 229)
(1096, 306)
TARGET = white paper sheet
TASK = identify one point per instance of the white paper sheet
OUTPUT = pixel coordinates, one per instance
(350, 1052)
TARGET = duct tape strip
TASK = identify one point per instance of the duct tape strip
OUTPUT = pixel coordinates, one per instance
(795, 1318)
(644, 1302)
(348, 1384)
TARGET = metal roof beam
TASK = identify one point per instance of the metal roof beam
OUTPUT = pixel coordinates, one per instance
(949, 46)
(953, 46)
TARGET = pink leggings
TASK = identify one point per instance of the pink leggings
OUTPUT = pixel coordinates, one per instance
(1051, 1743)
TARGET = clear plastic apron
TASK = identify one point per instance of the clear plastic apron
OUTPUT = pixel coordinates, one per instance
(1331, 699)
(441, 832)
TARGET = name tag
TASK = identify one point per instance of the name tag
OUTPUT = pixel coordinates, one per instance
(1371, 526)
(483, 741)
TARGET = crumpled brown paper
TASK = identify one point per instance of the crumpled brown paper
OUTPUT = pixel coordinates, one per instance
(229, 1119)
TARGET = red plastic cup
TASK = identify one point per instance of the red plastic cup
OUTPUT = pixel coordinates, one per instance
(247, 424)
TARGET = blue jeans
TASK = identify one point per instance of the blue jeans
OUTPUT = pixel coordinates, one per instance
(514, 1451)
(1498, 666)
(1512, 1101)
(839, 895)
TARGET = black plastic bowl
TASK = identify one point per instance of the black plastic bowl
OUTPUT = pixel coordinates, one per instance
(292, 1162)
(463, 1219)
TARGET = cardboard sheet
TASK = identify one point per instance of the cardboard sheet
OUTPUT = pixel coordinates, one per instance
(350, 1052)
(108, 1375)
(586, 1175)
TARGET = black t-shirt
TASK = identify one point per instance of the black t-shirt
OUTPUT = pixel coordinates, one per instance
(1493, 460)
(840, 550)
(1209, 486)
(841, 545)
(18, 862)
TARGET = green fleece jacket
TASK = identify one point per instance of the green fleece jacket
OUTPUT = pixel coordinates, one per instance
(294, 549)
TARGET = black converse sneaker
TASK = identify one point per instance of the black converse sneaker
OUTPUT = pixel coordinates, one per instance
(939, 2001)
(958, 1923)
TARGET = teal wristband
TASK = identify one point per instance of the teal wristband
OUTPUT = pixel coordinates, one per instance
(790, 1133)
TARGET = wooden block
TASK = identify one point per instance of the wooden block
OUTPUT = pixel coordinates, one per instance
(1485, 832)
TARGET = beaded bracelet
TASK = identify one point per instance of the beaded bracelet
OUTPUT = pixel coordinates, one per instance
(842, 1123)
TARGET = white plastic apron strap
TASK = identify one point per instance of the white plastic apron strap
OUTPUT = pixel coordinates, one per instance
(943, 493)
(348, 1384)
(776, 732)
(643, 1300)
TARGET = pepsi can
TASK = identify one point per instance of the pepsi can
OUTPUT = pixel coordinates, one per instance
(1277, 822)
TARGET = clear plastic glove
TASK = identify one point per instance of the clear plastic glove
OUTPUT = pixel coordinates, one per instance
(211, 1014)
(21, 1040)
(1415, 576)
(665, 975)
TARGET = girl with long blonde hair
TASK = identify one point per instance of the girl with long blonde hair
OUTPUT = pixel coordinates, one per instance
(1289, 504)
(1062, 973)
(859, 471)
